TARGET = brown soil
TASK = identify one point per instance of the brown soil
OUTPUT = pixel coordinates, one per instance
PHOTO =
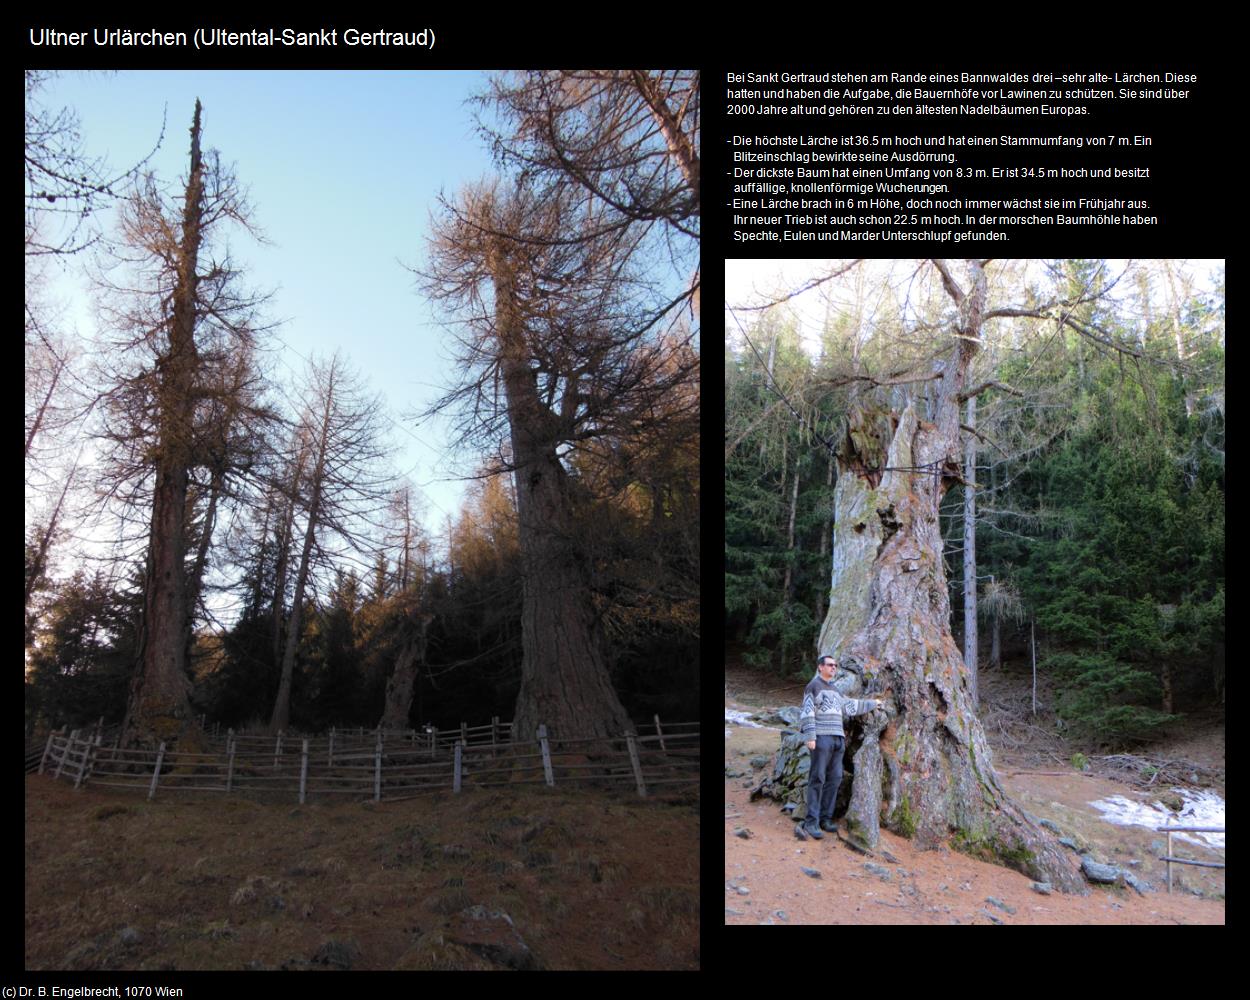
(939, 887)
(591, 880)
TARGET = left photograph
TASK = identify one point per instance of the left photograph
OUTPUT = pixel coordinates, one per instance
(362, 520)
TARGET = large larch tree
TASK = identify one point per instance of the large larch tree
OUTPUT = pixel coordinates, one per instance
(924, 767)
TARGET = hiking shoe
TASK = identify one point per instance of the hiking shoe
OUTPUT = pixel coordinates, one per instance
(813, 831)
(829, 826)
(799, 831)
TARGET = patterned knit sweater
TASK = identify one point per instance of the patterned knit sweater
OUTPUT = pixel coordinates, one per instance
(824, 706)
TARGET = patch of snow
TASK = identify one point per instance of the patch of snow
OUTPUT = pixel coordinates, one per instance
(1201, 809)
(739, 719)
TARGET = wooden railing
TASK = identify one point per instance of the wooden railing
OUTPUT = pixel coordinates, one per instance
(1186, 861)
(393, 766)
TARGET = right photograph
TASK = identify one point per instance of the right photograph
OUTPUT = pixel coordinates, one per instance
(974, 591)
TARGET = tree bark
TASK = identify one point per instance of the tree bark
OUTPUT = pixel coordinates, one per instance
(400, 685)
(924, 766)
(787, 589)
(565, 683)
(970, 553)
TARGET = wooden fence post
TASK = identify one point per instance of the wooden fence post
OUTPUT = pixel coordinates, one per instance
(377, 770)
(230, 759)
(331, 746)
(156, 771)
(455, 785)
(542, 742)
(277, 750)
(46, 750)
(494, 733)
(633, 757)
(99, 730)
(65, 753)
(303, 772)
(660, 732)
(1169, 863)
(464, 733)
(82, 765)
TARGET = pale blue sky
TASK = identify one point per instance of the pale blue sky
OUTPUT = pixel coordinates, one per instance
(343, 168)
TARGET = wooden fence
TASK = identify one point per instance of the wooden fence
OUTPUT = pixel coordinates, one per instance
(1185, 861)
(380, 765)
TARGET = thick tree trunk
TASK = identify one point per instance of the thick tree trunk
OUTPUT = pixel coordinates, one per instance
(564, 675)
(159, 708)
(400, 685)
(924, 767)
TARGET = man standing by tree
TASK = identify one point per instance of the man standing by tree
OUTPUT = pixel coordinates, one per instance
(821, 722)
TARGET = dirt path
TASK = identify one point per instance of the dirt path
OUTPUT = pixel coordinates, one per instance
(766, 881)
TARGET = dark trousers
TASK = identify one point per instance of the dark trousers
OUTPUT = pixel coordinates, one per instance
(824, 778)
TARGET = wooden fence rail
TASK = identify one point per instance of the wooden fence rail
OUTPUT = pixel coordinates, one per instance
(395, 769)
(1185, 861)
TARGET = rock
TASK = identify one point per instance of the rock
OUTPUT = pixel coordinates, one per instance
(128, 936)
(1095, 872)
(1134, 864)
(743, 832)
(1172, 801)
(338, 954)
(1141, 886)
(789, 715)
(1050, 826)
(733, 772)
(883, 873)
(491, 934)
(889, 857)
(1045, 888)
(1000, 904)
(758, 762)
(781, 915)
(734, 913)
(1158, 846)
(990, 915)
(1069, 842)
(810, 872)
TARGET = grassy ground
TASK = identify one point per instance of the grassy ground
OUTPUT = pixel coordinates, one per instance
(590, 879)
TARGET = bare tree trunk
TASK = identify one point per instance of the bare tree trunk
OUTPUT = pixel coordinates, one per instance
(924, 765)
(564, 675)
(970, 553)
(787, 589)
(43, 407)
(45, 540)
(282, 704)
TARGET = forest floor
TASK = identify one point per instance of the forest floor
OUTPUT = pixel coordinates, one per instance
(592, 879)
(767, 871)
